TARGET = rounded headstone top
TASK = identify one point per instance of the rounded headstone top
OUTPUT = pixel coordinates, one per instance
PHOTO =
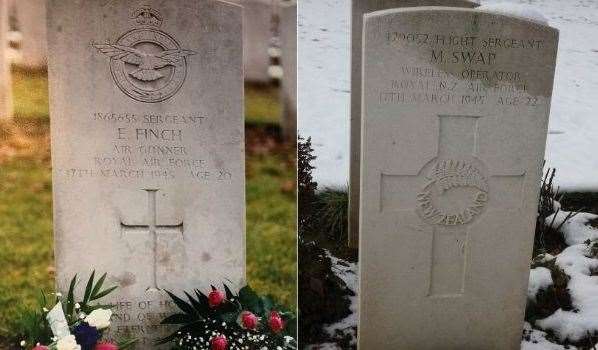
(516, 10)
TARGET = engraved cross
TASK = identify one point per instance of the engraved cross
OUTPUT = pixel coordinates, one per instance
(153, 228)
(448, 194)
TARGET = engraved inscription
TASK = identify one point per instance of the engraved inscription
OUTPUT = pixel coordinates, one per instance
(141, 319)
(451, 175)
(461, 70)
(147, 64)
(151, 146)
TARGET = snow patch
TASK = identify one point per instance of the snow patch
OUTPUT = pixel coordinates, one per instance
(534, 339)
(324, 91)
(347, 272)
(539, 279)
(575, 230)
(583, 288)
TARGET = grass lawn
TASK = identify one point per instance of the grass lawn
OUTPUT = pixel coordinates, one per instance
(26, 251)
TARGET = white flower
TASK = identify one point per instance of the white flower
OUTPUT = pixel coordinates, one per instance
(68, 343)
(77, 306)
(99, 318)
(23, 343)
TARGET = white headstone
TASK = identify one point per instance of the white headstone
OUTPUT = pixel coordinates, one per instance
(358, 9)
(31, 18)
(146, 105)
(5, 76)
(257, 23)
(455, 116)
(288, 36)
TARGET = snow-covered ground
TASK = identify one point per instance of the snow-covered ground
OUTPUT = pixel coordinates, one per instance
(323, 73)
(348, 273)
(579, 261)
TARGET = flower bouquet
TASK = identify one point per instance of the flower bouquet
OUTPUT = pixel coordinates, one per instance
(65, 323)
(225, 321)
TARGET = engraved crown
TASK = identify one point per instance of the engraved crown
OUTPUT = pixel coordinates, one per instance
(146, 16)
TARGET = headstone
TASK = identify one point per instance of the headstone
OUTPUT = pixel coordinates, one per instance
(288, 36)
(455, 116)
(257, 24)
(148, 150)
(5, 76)
(358, 9)
(31, 18)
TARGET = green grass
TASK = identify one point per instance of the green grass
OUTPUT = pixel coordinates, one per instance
(30, 94)
(25, 236)
(271, 237)
(26, 249)
(262, 104)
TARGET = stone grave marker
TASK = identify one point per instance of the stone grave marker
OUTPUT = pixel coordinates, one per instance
(358, 9)
(455, 116)
(31, 18)
(5, 76)
(288, 36)
(257, 23)
(146, 105)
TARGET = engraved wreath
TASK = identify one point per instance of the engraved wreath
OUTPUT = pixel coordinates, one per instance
(447, 175)
(146, 63)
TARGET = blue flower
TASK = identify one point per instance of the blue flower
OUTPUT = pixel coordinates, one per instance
(86, 335)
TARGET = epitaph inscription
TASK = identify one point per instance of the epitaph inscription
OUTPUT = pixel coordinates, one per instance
(455, 115)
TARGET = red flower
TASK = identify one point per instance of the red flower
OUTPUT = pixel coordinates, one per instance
(219, 343)
(106, 346)
(248, 320)
(40, 347)
(275, 322)
(216, 297)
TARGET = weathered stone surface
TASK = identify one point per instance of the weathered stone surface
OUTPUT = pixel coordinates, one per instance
(455, 115)
(148, 149)
(31, 18)
(358, 9)
(5, 76)
(288, 38)
(258, 31)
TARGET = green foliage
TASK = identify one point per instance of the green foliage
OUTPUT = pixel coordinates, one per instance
(320, 212)
(33, 326)
(331, 211)
(93, 292)
(196, 319)
(306, 186)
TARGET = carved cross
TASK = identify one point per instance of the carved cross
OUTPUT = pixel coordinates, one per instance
(153, 228)
(449, 193)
